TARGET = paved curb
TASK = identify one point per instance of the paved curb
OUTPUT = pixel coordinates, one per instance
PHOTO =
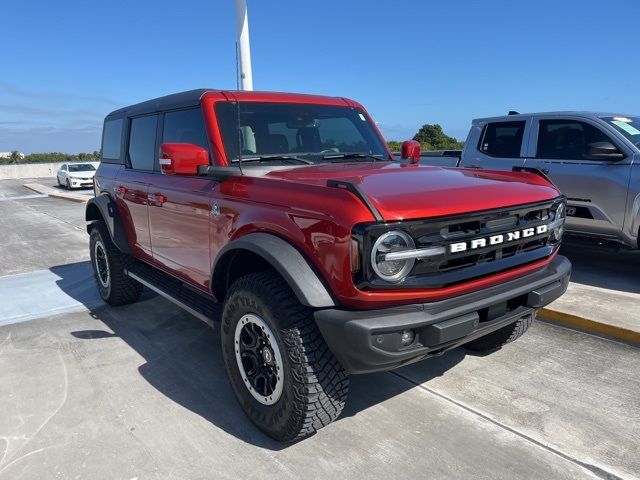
(590, 326)
(52, 192)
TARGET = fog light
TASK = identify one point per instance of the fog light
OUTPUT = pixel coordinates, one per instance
(407, 337)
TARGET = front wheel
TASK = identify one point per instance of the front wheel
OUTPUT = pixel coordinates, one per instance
(497, 339)
(281, 370)
(68, 184)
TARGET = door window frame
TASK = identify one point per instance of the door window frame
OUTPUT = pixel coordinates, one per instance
(535, 130)
(160, 134)
(156, 150)
(524, 145)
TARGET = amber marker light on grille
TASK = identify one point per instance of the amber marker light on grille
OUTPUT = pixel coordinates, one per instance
(355, 255)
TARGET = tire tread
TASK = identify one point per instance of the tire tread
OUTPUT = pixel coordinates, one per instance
(321, 384)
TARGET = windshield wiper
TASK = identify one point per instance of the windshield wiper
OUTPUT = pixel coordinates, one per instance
(348, 156)
(260, 158)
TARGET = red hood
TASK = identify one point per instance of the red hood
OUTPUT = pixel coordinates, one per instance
(407, 192)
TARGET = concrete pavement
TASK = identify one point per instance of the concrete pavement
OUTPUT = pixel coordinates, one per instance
(604, 294)
(140, 392)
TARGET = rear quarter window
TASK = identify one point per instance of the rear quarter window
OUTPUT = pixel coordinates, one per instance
(112, 140)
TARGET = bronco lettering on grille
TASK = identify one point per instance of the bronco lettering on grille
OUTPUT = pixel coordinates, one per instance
(497, 239)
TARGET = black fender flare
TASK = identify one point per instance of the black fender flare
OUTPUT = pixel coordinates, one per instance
(287, 261)
(103, 208)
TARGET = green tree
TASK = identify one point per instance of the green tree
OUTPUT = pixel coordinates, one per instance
(394, 145)
(431, 136)
(15, 157)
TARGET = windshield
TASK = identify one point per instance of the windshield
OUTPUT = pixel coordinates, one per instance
(315, 132)
(627, 126)
(82, 167)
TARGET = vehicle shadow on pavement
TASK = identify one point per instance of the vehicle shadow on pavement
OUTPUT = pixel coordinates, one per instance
(604, 267)
(183, 361)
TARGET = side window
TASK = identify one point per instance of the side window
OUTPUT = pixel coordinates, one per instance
(112, 139)
(567, 139)
(502, 139)
(142, 142)
(185, 126)
(64, 167)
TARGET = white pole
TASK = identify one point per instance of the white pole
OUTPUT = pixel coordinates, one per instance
(244, 47)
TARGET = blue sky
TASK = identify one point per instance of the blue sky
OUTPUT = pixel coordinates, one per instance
(66, 64)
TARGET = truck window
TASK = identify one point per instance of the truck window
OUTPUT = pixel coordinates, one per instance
(502, 139)
(142, 142)
(185, 126)
(112, 139)
(567, 139)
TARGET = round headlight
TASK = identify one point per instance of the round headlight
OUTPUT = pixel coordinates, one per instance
(392, 270)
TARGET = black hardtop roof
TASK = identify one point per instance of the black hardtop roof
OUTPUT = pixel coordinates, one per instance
(190, 98)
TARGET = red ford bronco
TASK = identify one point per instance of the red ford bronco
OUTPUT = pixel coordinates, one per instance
(330, 258)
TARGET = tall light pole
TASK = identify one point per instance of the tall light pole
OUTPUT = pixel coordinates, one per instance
(244, 47)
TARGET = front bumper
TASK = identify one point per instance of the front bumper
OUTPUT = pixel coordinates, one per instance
(81, 182)
(369, 340)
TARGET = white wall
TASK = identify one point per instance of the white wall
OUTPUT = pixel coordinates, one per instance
(30, 170)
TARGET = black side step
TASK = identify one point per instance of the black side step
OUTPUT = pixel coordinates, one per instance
(197, 304)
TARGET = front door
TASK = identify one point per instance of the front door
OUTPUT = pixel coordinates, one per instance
(596, 188)
(180, 206)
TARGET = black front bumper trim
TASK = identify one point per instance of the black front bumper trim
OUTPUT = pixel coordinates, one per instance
(369, 340)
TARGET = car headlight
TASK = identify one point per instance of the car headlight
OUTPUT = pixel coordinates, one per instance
(392, 270)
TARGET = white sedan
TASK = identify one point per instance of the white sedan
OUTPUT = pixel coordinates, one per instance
(76, 175)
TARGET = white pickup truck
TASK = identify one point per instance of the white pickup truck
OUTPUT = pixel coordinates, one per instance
(594, 159)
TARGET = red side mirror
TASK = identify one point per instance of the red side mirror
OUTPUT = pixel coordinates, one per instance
(411, 149)
(182, 158)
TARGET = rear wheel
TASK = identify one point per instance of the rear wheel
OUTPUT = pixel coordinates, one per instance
(497, 339)
(282, 372)
(109, 264)
(58, 179)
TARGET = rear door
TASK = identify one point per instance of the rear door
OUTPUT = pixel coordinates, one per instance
(132, 183)
(180, 206)
(596, 189)
(496, 145)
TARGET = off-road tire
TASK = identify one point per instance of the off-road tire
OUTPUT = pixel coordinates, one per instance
(497, 339)
(315, 383)
(120, 289)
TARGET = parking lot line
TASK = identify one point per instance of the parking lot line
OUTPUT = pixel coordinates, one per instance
(23, 197)
(43, 293)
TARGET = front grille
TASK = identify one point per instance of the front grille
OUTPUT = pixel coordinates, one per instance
(454, 267)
